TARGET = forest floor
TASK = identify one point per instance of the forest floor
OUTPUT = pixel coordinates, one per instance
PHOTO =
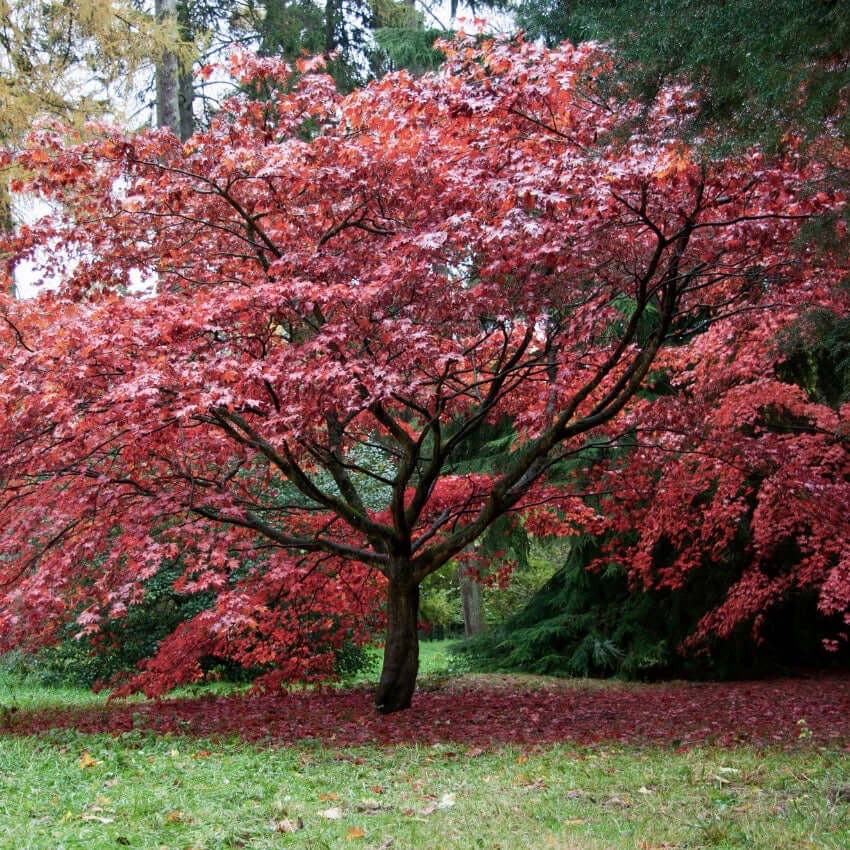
(481, 761)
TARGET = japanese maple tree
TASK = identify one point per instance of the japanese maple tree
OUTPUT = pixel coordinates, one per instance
(339, 292)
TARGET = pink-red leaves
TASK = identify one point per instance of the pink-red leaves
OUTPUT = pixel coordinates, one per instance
(764, 712)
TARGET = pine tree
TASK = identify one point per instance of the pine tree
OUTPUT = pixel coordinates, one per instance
(763, 67)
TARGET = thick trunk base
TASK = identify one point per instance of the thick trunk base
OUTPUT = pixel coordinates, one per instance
(401, 653)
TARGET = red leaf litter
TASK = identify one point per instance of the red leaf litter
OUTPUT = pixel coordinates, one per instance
(779, 712)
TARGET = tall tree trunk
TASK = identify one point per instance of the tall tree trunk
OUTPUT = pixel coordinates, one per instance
(7, 224)
(167, 72)
(473, 610)
(186, 99)
(185, 78)
(332, 15)
(401, 653)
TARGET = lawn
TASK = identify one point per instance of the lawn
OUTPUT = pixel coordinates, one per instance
(496, 762)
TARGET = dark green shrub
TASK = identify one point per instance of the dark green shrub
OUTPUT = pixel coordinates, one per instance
(122, 644)
(356, 662)
(591, 623)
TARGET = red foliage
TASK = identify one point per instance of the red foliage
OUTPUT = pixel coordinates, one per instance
(341, 292)
(765, 712)
(737, 464)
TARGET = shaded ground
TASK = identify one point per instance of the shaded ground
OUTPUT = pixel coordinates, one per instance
(480, 711)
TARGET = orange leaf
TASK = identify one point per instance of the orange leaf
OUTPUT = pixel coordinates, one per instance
(87, 760)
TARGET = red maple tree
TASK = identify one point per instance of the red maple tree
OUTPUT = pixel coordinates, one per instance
(341, 292)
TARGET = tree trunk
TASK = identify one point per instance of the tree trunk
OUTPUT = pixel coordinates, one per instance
(332, 13)
(401, 653)
(7, 224)
(186, 99)
(473, 612)
(167, 72)
(185, 77)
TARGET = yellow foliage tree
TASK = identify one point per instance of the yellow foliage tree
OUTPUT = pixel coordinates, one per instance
(61, 59)
(64, 59)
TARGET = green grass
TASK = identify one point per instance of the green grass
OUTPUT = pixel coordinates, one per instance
(435, 657)
(65, 790)
(23, 693)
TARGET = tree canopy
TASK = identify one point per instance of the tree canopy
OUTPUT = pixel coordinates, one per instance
(272, 342)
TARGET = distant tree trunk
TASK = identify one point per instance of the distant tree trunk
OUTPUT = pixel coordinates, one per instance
(333, 12)
(401, 652)
(186, 99)
(186, 84)
(7, 224)
(473, 611)
(167, 73)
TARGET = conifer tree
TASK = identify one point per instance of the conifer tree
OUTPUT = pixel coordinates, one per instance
(764, 67)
